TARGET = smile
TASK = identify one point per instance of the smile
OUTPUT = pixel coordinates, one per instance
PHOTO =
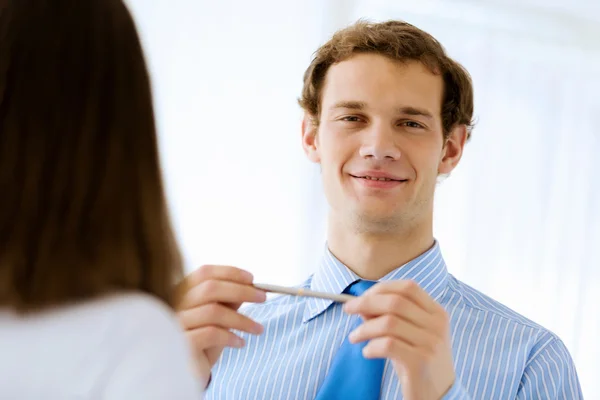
(371, 178)
(378, 182)
(377, 178)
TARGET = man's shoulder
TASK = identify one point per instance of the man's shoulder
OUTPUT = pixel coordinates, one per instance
(535, 354)
(469, 303)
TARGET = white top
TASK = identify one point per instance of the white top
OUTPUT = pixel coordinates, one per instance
(126, 346)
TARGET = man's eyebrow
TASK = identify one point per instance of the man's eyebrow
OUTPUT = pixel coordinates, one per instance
(359, 105)
(353, 105)
(415, 112)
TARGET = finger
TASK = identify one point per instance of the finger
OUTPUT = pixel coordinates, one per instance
(411, 290)
(374, 304)
(208, 272)
(212, 336)
(388, 347)
(215, 314)
(219, 272)
(391, 326)
(217, 291)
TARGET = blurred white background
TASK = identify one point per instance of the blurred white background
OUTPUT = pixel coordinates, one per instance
(518, 220)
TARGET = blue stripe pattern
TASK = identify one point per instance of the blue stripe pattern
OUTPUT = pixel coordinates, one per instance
(498, 353)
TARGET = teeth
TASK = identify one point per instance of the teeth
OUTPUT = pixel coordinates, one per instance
(377, 179)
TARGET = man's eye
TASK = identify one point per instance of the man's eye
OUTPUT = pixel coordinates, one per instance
(351, 118)
(412, 124)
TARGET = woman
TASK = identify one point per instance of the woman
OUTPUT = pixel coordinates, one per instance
(88, 260)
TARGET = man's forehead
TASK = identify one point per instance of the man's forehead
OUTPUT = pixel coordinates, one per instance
(378, 81)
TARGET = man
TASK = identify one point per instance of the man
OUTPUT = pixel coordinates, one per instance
(386, 114)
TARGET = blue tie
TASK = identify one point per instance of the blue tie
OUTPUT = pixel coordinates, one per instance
(352, 376)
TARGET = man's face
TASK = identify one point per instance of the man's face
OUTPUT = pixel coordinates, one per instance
(380, 143)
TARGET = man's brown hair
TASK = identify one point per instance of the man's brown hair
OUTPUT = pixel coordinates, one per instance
(399, 41)
(82, 208)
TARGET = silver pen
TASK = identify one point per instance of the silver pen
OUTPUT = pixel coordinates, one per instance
(340, 298)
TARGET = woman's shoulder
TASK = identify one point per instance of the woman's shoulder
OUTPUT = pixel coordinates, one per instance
(118, 344)
(132, 307)
(152, 354)
(149, 351)
(130, 320)
(111, 324)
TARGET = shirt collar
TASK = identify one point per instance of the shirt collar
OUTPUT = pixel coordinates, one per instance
(428, 270)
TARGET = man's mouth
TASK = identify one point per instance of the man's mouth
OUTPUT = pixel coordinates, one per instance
(375, 178)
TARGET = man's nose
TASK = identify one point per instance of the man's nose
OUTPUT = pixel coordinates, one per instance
(379, 144)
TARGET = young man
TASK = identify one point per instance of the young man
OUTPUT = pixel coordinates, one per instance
(386, 114)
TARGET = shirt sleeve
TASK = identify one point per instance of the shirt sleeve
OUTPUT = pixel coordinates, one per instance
(153, 360)
(550, 374)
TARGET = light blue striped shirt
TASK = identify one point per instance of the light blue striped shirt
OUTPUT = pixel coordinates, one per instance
(498, 354)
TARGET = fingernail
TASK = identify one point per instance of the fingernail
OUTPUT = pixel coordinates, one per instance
(257, 329)
(246, 277)
(352, 336)
(350, 306)
(260, 296)
(365, 352)
(236, 342)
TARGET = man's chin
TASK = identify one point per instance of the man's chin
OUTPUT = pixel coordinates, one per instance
(379, 221)
(379, 212)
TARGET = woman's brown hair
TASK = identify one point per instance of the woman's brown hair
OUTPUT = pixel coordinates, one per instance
(82, 206)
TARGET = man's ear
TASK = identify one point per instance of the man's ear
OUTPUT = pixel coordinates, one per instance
(453, 150)
(309, 138)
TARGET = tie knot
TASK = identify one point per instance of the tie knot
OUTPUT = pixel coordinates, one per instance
(359, 287)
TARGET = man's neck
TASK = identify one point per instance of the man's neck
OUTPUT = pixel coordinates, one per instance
(372, 256)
